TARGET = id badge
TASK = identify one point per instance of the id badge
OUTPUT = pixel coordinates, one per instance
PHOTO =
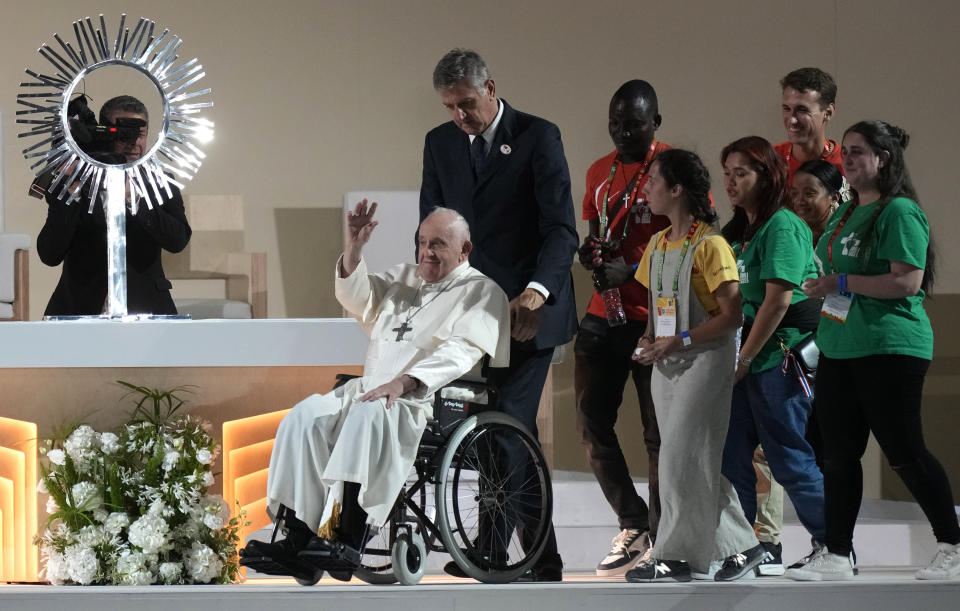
(666, 317)
(836, 307)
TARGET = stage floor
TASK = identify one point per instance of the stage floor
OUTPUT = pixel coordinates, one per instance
(874, 590)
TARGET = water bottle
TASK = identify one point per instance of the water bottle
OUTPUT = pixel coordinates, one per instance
(614, 307)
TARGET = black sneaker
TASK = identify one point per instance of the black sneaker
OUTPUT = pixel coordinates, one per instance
(772, 566)
(659, 570)
(738, 565)
(628, 546)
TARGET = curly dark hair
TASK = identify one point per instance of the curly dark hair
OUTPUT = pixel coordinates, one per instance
(684, 168)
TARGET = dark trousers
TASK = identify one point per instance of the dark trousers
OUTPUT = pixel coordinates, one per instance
(879, 394)
(602, 366)
(519, 388)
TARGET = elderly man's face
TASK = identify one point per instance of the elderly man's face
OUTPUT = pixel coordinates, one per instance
(473, 111)
(441, 248)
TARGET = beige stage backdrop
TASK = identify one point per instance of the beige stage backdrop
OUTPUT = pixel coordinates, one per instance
(318, 97)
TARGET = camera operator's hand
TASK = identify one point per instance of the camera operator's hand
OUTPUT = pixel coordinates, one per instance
(590, 252)
(612, 274)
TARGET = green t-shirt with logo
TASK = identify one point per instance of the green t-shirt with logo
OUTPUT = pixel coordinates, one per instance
(877, 326)
(781, 249)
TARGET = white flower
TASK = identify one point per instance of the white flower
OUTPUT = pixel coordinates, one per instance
(202, 563)
(170, 460)
(81, 439)
(207, 479)
(42, 486)
(149, 533)
(91, 536)
(52, 506)
(82, 564)
(213, 522)
(57, 456)
(132, 570)
(55, 568)
(159, 508)
(109, 443)
(204, 456)
(100, 515)
(170, 572)
(86, 496)
(116, 522)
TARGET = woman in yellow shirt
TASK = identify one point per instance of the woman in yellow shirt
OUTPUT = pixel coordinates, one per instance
(695, 311)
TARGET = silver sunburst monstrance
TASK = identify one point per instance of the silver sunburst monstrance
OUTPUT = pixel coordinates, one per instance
(176, 155)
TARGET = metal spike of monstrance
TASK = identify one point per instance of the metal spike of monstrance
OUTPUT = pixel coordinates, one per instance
(174, 157)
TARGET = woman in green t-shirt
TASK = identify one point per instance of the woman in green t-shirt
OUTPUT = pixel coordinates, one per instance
(771, 405)
(876, 344)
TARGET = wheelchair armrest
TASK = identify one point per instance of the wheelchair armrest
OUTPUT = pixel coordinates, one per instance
(343, 378)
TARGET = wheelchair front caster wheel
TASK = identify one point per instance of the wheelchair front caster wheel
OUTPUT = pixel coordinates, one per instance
(409, 557)
(305, 581)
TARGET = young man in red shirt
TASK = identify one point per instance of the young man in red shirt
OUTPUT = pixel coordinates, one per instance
(621, 225)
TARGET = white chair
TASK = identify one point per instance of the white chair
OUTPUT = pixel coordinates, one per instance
(213, 277)
(14, 276)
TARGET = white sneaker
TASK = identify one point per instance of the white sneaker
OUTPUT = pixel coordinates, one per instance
(823, 567)
(629, 545)
(945, 565)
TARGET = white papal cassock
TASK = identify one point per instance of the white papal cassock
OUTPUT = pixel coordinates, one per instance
(331, 438)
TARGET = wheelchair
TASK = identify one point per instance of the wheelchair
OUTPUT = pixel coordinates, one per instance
(479, 491)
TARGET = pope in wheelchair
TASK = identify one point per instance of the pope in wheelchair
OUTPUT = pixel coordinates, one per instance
(429, 324)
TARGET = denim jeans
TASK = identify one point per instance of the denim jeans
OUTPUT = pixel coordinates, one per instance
(770, 409)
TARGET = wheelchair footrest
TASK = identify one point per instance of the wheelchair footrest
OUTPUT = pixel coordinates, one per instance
(330, 555)
(269, 565)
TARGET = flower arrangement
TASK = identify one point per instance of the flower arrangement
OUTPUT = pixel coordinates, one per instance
(130, 507)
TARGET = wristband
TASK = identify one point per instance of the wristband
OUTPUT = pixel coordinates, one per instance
(685, 336)
(842, 280)
(745, 360)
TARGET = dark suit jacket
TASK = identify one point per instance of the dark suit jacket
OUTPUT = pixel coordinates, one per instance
(78, 239)
(519, 209)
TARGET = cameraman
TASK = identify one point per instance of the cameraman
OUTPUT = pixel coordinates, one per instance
(78, 239)
(621, 225)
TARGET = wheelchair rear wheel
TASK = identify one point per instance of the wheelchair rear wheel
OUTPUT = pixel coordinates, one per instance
(493, 480)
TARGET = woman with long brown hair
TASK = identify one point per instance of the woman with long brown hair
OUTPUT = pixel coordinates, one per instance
(771, 402)
(876, 344)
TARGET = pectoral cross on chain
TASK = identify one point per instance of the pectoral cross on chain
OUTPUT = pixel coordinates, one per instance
(403, 328)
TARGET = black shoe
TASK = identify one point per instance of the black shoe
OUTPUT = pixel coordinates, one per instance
(772, 566)
(736, 566)
(659, 570)
(541, 574)
(332, 556)
(453, 569)
(279, 558)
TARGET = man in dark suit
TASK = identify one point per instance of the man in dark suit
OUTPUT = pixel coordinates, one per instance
(78, 239)
(506, 173)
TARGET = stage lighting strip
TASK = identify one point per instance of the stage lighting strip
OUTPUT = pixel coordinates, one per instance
(18, 500)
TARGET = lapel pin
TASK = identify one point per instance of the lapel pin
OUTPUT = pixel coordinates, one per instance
(505, 149)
